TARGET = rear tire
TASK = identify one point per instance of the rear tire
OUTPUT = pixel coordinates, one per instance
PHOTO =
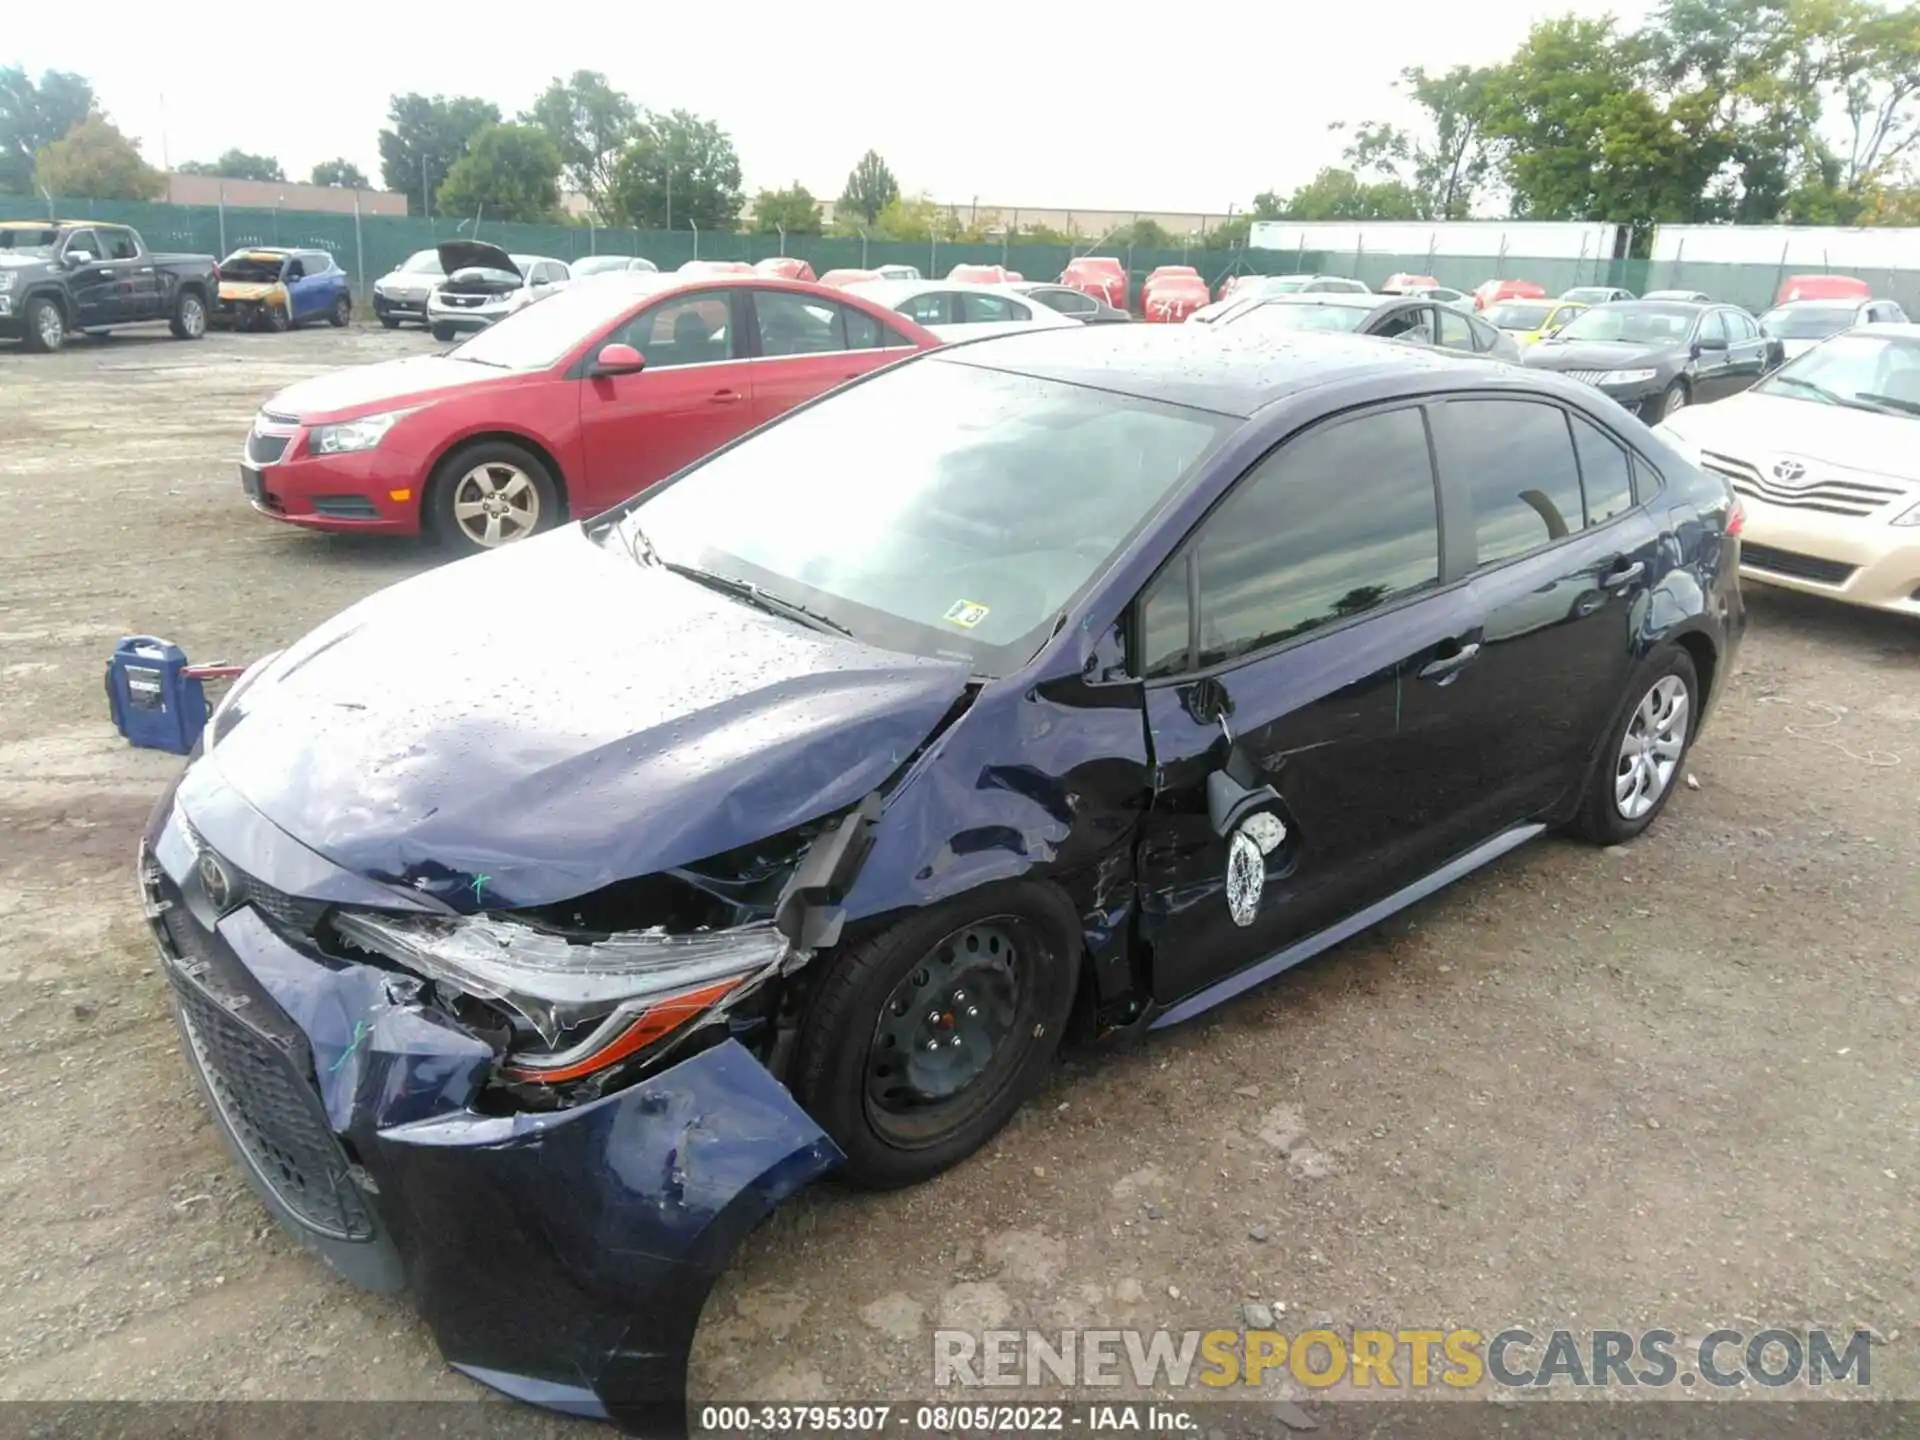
(849, 1061)
(342, 312)
(1640, 767)
(493, 487)
(189, 320)
(46, 327)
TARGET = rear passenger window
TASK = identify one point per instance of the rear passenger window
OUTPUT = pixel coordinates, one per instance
(1327, 527)
(935, 307)
(992, 309)
(1516, 459)
(863, 331)
(120, 244)
(1456, 331)
(1606, 477)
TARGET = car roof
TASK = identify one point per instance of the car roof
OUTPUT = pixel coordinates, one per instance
(1829, 302)
(892, 292)
(1196, 365)
(1352, 299)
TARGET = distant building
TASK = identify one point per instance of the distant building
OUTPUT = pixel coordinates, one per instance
(279, 195)
(1091, 224)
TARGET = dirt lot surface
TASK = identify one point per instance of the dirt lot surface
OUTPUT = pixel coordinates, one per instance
(1673, 1084)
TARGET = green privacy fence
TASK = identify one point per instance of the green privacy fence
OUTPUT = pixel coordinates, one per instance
(368, 246)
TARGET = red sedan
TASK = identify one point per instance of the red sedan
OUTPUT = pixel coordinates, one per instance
(562, 409)
(1101, 276)
(1172, 298)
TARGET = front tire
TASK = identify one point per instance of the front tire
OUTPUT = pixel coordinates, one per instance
(388, 322)
(1671, 401)
(442, 333)
(278, 320)
(488, 495)
(189, 320)
(342, 312)
(46, 327)
(921, 1041)
(1645, 757)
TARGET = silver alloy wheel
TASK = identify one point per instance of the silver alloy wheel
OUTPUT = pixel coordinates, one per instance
(53, 329)
(1651, 749)
(496, 503)
(1676, 401)
(193, 317)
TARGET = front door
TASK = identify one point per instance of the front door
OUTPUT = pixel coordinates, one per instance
(1278, 648)
(1746, 350)
(804, 345)
(94, 282)
(695, 394)
(1562, 560)
(1713, 366)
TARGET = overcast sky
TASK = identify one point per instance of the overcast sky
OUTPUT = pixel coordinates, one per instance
(1157, 115)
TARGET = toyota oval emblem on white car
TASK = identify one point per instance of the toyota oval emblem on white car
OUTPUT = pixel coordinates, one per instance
(1789, 472)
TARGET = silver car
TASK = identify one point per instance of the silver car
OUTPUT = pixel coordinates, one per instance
(401, 294)
(485, 284)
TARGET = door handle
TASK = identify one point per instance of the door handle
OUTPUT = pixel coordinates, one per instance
(1443, 668)
(724, 397)
(1619, 579)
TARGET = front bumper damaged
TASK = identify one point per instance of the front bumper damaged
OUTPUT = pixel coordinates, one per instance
(561, 1257)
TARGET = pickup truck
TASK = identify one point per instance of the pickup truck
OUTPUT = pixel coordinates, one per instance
(57, 276)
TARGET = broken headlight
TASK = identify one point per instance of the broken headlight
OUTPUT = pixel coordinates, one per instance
(627, 989)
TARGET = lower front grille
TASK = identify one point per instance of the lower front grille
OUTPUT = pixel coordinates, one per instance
(1800, 567)
(266, 449)
(271, 1110)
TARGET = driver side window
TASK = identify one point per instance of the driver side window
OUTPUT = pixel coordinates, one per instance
(83, 242)
(1713, 330)
(686, 330)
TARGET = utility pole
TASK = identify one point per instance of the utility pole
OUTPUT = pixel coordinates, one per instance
(696, 248)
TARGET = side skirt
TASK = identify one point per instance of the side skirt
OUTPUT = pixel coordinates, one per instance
(1263, 970)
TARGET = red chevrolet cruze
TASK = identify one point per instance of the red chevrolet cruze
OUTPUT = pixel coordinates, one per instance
(562, 409)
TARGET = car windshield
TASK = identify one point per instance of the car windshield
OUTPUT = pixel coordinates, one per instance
(423, 262)
(1520, 315)
(947, 509)
(35, 242)
(536, 337)
(1636, 324)
(1808, 322)
(1257, 318)
(1589, 294)
(249, 267)
(1860, 371)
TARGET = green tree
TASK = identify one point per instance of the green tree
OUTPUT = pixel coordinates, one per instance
(1585, 139)
(1236, 230)
(425, 136)
(510, 172)
(1143, 234)
(870, 189)
(342, 174)
(33, 117)
(590, 124)
(237, 165)
(677, 168)
(94, 161)
(1338, 194)
(793, 210)
(1447, 166)
(909, 218)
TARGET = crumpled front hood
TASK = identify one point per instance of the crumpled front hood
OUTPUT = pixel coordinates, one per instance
(531, 725)
(249, 289)
(390, 384)
(1599, 355)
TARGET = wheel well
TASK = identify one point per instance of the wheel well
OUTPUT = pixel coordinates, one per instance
(59, 299)
(507, 437)
(1705, 659)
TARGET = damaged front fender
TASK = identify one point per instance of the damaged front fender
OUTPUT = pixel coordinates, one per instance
(563, 1258)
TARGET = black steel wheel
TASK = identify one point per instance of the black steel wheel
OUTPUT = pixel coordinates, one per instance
(920, 1042)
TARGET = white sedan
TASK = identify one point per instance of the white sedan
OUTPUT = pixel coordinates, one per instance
(957, 310)
(1825, 456)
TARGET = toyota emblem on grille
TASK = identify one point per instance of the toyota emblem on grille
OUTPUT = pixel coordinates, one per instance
(1789, 472)
(215, 880)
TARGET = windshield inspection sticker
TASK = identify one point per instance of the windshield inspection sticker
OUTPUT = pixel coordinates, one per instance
(966, 614)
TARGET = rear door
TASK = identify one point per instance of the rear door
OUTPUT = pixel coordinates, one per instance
(695, 394)
(804, 345)
(1278, 648)
(137, 280)
(1539, 504)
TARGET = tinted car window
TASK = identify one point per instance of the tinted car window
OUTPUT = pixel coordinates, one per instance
(1713, 326)
(1067, 302)
(991, 309)
(687, 330)
(935, 307)
(85, 240)
(120, 244)
(1414, 323)
(797, 324)
(1606, 476)
(1330, 525)
(862, 330)
(1515, 457)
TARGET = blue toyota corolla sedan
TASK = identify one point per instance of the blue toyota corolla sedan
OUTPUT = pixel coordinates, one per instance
(538, 924)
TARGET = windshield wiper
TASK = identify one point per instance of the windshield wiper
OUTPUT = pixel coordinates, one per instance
(751, 594)
(1832, 397)
(1881, 402)
(476, 360)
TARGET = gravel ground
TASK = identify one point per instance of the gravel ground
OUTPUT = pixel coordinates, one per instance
(1673, 1084)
